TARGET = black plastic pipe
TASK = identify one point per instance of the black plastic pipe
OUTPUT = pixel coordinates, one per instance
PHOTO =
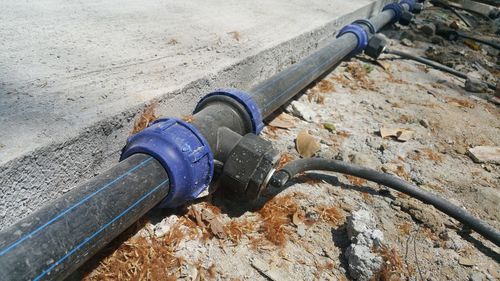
(56, 240)
(433, 64)
(482, 41)
(303, 165)
(275, 91)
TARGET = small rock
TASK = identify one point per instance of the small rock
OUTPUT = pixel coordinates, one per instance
(326, 142)
(438, 40)
(487, 168)
(424, 123)
(475, 85)
(329, 126)
(313, 216)
(302, 111)
(485, 154)
(461, 150)
(476, 276)
(363, 264)
(164, 226)
(363, 159)
(383, 147)
(373, 142)
(359, 222)
(466, 262)
(389, 168)
(428, 29)
(301, 230)
(406, 42)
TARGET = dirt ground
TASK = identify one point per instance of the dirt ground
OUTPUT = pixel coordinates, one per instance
(299, 233)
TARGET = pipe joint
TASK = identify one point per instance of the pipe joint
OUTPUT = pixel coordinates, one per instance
(410, 3)
(367, 23)
(248, 168)
(249, 112)
(397, 9)
(182, 151)
(360, 33)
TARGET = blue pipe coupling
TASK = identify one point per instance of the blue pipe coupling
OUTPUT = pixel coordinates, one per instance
(360, 33)
(397, 9)
(182, 151)
(253, 115)
(410, 3)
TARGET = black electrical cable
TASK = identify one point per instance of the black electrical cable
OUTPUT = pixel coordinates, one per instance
(293, 168)
(433, 64)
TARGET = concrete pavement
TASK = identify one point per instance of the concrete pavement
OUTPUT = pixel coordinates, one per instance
(74, 74)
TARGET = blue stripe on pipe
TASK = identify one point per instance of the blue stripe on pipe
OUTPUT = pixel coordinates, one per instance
(296, 83)
(86, 240)
(31, 234)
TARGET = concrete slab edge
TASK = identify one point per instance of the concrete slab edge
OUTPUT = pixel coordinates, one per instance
(34, 179)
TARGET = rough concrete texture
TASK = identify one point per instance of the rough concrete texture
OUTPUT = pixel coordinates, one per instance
(73, 75)
(366, 238)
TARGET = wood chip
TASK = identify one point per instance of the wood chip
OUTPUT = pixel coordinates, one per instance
(466, 262)
(405, 135)
(485, 154)
(400, 134)
(388, 132)
(284, 121)
(306, 144)
(298, 218)
(197, 215)
(215, 225)
(385, 65)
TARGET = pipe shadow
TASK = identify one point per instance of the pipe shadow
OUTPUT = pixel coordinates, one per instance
(235, 209)
(479, 245)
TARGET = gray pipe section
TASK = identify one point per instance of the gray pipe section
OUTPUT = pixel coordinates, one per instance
(54, 241)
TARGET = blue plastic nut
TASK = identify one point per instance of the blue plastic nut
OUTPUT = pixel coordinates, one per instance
(398, 11)
(182, 151)
(410, 3)
(244, 99)
(360, 33)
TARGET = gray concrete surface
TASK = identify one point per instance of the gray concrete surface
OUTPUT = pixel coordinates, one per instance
(74, 74)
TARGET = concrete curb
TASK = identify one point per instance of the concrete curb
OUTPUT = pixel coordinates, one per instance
(32, 180)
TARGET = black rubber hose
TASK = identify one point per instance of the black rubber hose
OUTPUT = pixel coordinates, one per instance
(433, 64)
(55, 240)
(486, 42)
(302, 165)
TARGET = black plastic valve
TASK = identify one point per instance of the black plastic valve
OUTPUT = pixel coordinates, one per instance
(406, 18)
(248, 168)
(446, 32)
(375, 46)
(417, 8)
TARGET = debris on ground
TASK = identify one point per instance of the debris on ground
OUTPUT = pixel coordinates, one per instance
(399, 133)
(283, 121)
(307, 145)
(147, 117)
(302, 111)
(365, 239)
(485, 154)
